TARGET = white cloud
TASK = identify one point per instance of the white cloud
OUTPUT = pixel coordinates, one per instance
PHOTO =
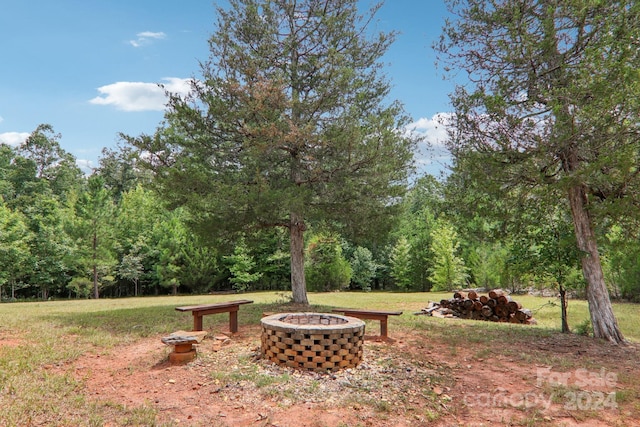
(434, 130)
(432, 156)
(14, 138)
(140, 96)
(85, 166)
(146, 37)
(1, 119)
(177, 85)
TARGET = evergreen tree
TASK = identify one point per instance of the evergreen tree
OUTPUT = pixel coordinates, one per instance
(327, 269)
(94, 214)
(168, 241)
(449, 270)
(289, 124)
(50, 247)
(242, 268)
(14, 249)
(400, 262)
(363, 267)
(549, 108)
(487, 264)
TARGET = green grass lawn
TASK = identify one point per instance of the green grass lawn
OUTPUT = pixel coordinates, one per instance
(128, 318)
(49, 333)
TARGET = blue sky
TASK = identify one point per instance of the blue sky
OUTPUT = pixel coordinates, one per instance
(90, 68)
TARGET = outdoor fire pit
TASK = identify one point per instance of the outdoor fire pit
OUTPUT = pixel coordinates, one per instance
(313, 341)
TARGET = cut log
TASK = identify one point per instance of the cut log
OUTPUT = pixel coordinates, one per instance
(460, 295)
(470, 305)
(486, 311)
(495, 293)
(502, 300)
(514, 306)
(434, 307)
(502, 311)
(523, 314)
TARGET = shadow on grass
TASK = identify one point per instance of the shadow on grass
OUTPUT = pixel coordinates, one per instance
(161, 319)
(466, 332)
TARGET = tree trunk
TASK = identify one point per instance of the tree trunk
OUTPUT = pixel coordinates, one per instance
(603, 320)
(298, 282)
(96, 293)
(563, 309)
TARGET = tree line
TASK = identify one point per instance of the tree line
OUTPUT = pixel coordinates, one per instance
(64, 234)
(109, 234)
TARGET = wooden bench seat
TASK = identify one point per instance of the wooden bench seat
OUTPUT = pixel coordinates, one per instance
(380, 315)
(230, 307)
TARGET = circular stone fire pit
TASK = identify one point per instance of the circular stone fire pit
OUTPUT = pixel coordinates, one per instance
(313, 341)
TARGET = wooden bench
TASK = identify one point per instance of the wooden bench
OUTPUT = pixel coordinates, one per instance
(380, 315)
(230, 307)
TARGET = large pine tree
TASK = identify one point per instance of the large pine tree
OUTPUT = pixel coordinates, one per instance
(289, 123)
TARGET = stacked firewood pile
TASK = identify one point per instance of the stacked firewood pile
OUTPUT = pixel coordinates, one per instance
(497, 306)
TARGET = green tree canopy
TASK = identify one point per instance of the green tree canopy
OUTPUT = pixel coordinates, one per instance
(49, 247)
(363, 268)
(14, 247)
(94, 228)
(552, 103)
(51, 163)
(420, 208)
(400, 262)
(119, 170)
(242, 267)
(449, 270)
(290, 123)
(327, 268)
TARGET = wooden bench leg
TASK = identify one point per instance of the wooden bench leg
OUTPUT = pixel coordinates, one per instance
(383, 327)
(233, 321)
(197, 322)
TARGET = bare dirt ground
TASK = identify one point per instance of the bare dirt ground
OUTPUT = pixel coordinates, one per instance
(412, 381)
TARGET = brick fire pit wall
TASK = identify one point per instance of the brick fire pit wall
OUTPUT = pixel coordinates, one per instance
(312, 341)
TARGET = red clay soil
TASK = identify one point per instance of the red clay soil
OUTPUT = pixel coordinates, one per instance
(412, 381)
